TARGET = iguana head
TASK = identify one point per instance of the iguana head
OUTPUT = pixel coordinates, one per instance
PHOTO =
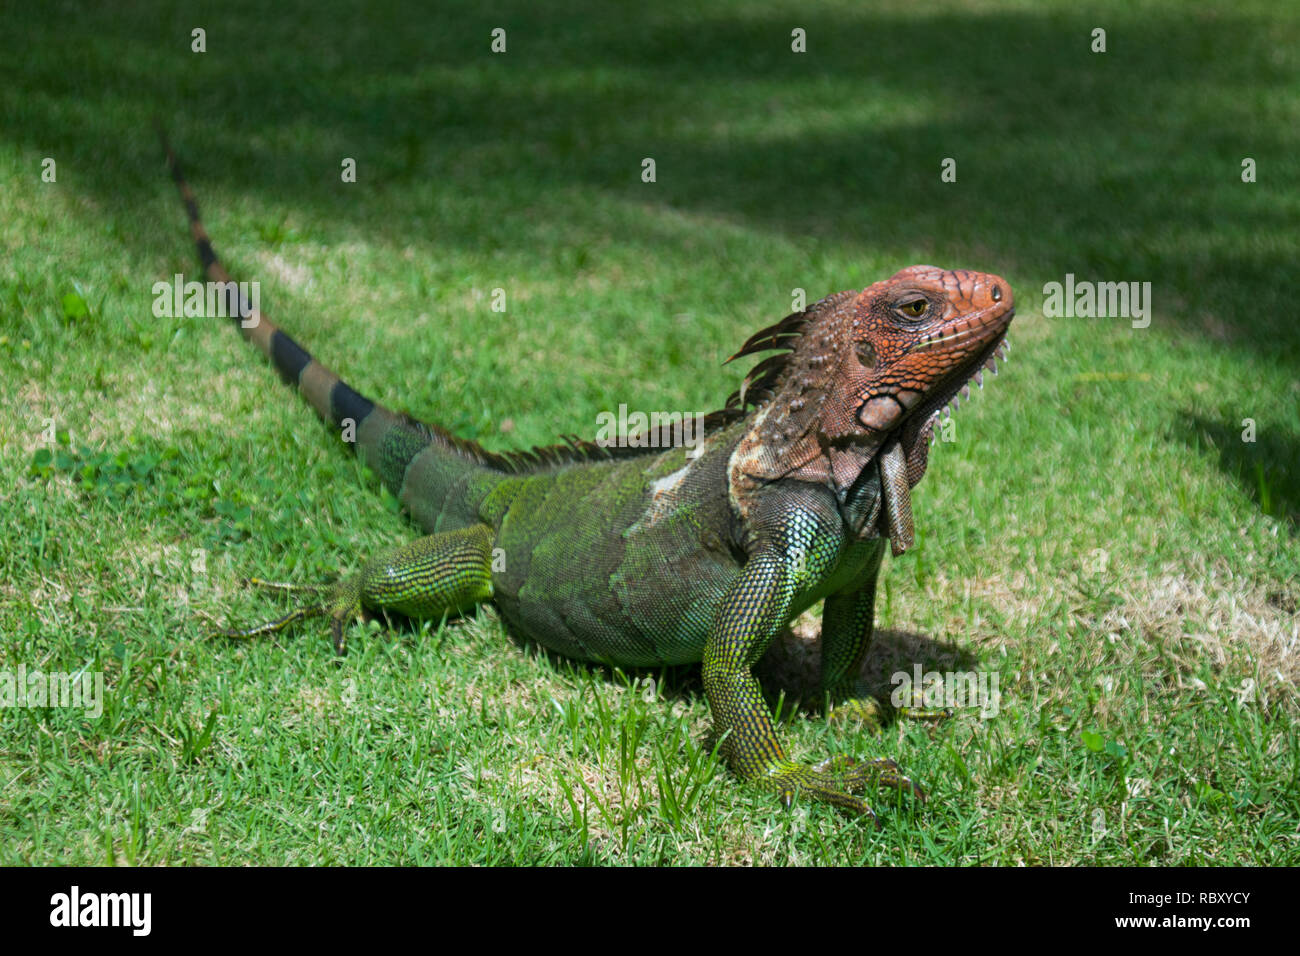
(864, 368)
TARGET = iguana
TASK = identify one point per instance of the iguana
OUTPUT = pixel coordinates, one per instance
(633, 556)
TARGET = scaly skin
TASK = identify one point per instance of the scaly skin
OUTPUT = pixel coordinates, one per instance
(636, 557)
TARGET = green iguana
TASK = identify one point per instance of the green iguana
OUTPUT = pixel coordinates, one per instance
(633, 556)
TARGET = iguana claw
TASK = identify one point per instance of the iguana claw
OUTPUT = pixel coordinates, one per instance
(834, 780)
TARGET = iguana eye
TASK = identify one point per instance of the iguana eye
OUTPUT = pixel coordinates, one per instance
(915, 308)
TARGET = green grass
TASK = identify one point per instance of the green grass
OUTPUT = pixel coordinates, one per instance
(1098, 535)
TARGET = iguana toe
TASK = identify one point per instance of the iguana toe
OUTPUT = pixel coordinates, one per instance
(837, 780)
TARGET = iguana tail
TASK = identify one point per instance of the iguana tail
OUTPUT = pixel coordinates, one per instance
(388, 441)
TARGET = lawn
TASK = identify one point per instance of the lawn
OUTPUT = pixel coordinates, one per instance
(1112, 530)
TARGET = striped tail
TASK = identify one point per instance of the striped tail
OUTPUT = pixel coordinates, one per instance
(388, 441)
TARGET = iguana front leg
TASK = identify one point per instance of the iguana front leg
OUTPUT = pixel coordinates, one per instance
(754, 608)
(848, 620)
(444, 573)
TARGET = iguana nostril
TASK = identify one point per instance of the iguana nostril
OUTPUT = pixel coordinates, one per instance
(997, 293)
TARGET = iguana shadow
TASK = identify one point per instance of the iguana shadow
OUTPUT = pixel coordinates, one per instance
(789, 670)
(1263, 461)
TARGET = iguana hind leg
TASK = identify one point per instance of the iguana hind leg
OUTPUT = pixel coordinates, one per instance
(444, 573)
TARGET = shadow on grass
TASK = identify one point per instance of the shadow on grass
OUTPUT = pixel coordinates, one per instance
(1267, 468)
(789, 671)
(1117, 166)
(790, 668)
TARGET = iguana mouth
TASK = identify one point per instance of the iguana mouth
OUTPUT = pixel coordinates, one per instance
(949, 396)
